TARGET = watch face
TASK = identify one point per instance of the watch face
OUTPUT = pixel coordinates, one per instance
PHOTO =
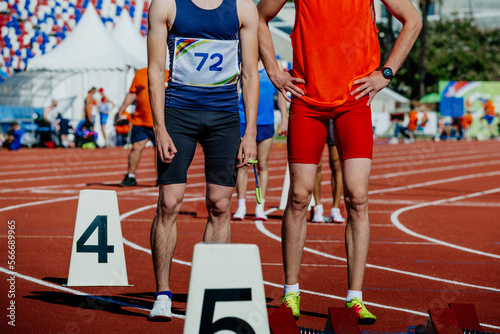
(387, 73)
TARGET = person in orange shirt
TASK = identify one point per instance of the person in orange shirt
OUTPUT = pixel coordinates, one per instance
(489, 115)
(335, 75)
(465, 123)
(142, 122)
(412, 123)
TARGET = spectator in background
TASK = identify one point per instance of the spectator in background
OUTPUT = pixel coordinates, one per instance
(47, 112)
(89, 103)
(104, 107)
(412, 123)
(425, 118)
(89, 136)
(142, 122)
(13, 137)
(466, 122)
(62, 127)
(489, 115)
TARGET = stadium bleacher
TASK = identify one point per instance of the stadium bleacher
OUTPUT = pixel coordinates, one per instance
(29, 28)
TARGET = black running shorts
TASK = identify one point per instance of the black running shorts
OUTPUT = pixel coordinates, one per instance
(218, 132)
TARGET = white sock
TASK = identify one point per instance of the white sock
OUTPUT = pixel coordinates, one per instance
(242, 203)
(132, 176)
(354, 294)
(291, 288)
(261, 206)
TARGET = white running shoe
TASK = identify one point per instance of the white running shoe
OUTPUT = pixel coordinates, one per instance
(317, 214)
(240, 213)
(337, 216)
(162, 309)
(259, 213)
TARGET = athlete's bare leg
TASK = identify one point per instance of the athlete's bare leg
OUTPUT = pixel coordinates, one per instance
(164, 232)
(336, 180)
(317, 183)
(135, 154)
(356, 174)
(263, 151)
(218, 201)
(241, 182)
(294, 226)
(103, 129)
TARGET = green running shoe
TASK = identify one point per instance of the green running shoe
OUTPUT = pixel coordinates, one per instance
(364, 316)
(292, 300)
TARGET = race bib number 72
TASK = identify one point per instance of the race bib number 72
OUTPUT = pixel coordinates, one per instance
(205, 62)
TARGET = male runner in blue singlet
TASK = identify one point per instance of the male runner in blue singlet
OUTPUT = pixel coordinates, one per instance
(209, 41)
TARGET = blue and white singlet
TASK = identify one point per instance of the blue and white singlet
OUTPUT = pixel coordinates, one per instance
(204, 51)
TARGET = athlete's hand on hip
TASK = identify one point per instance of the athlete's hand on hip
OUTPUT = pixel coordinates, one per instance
(247, 150)
(165, 146)
(285, 83)
(369, 85)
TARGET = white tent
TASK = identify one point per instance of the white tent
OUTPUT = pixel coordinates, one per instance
(93, 58)
(129, 38)
(88, 47)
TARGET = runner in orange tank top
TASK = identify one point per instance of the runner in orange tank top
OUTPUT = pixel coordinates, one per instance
(335, 60)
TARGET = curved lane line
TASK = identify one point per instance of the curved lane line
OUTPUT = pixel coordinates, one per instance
(397, 223)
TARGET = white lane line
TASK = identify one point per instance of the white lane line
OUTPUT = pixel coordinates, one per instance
(76, 292)
(376, 242)
(413, 171)
(423, 160)
(399, 225)
(307, 265)
(431, 183)
(53, 200)
(263, 230)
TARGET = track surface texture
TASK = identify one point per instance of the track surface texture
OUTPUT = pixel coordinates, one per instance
(435, 238)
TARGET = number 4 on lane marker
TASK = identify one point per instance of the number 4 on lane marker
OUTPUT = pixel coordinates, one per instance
(97, 256)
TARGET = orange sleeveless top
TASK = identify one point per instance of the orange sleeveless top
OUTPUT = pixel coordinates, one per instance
(334, 43)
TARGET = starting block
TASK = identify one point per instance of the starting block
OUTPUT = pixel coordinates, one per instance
(445, 321)
(97, 256)
(344, 320)
(459, 318)
(466, 316)
(226, 290)
(281, 321)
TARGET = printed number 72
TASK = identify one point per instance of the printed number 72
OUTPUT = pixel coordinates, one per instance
(204, 57)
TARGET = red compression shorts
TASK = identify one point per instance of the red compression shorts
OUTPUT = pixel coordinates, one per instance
(308, 129)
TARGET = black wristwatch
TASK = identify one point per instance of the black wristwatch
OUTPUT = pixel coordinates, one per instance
(387, 73)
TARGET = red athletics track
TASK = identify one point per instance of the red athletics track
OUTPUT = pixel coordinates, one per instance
(435, 239)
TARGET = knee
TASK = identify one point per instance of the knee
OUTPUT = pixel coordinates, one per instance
(358, 202)
(218, 207)
(137, 147)
(263, 166)
(169, 206)
(298, 199)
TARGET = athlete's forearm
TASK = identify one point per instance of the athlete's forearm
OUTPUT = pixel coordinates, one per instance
(250, 95)
(157, 95)
(406, 13)
(128, 100)
(268, 9)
